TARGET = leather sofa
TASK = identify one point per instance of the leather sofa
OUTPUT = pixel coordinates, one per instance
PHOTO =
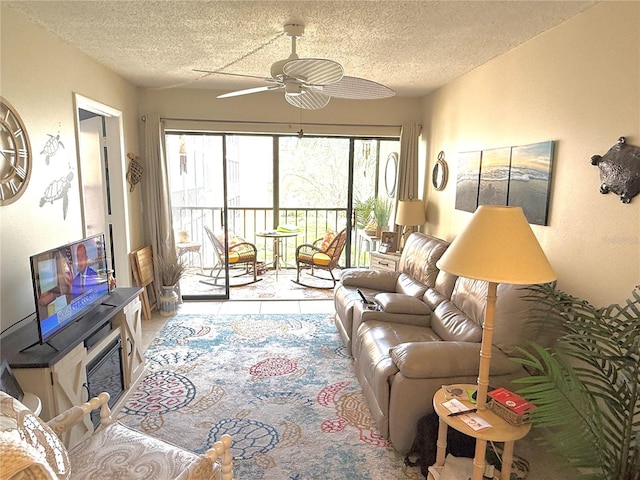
(423, 331)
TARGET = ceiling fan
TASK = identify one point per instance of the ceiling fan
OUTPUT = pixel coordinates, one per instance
(310, 83)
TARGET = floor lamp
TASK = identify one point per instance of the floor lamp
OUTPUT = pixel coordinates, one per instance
(498, 246)
(410, 213)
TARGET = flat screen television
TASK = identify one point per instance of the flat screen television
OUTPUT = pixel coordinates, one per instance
(68, 282)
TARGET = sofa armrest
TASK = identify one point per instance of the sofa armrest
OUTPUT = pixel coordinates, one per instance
(371, 279)
(401, 303)
(362, 314)
(447, 359)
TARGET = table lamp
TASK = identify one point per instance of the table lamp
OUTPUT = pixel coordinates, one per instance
(498, 246)
(410, 213)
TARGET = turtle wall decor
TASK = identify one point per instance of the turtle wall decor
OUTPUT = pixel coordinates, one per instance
(56, 190)
(619, 170)
(51, 147)
(135, 171)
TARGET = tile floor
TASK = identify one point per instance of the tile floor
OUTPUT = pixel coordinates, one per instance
(542, 463)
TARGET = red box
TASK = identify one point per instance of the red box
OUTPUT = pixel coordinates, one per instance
(510, 400)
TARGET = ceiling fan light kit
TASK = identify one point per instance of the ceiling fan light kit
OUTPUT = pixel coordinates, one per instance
(310, 83)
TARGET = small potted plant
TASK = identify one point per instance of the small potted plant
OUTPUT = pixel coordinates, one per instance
(382, 212)
(171, 268)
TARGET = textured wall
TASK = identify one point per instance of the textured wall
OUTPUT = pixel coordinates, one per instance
(39, 77)
(579, 85)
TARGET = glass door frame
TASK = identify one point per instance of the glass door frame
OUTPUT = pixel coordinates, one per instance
(225, 209)
(224, 287)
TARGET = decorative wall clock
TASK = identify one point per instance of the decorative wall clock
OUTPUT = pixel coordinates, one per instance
(15, 158)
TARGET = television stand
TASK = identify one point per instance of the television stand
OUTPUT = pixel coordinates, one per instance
(37, 342)
(56, 371)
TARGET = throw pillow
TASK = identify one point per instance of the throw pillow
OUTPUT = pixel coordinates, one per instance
(35, 433)
(327, 239)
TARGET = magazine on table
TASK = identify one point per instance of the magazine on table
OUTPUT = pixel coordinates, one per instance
(466, 414)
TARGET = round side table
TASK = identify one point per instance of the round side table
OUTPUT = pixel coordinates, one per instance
(500, 431)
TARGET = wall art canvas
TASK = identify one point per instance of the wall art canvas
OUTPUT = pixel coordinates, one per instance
(530, 180)
(467, 181)
(494, 176)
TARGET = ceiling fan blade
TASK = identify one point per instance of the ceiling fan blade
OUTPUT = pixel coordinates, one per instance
(316, 71)
(309, 100)
(211, 72)
(357, 89)
(248, 91)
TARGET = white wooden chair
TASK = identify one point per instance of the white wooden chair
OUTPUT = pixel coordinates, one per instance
(31, 449)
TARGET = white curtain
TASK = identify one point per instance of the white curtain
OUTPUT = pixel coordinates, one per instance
(407, 186)
(158, 222)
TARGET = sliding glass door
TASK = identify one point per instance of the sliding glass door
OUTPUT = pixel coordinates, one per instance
(197, 174)
(236, 187)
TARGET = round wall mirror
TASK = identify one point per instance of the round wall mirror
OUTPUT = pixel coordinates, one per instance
(391, 173)
(440, 173)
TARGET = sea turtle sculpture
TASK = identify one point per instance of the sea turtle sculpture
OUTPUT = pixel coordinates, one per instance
(352, 410)
(58, 189)
(51, 147)
(619, 170)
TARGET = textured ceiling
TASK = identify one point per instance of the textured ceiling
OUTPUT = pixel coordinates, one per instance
(412, 47)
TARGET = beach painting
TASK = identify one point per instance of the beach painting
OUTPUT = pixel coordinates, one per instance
(467, 181)
(530, 180)
(494, 176)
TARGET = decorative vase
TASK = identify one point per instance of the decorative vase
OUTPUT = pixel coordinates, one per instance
(168, 301)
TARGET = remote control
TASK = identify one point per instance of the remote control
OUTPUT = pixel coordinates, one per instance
(364, 299)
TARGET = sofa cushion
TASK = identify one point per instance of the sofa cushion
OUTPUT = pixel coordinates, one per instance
(512, 313)
(447, 359)
(372, 279)
(410, 286)
(31, 439)
(451, 324)
(371, 347)
(400, 303)
(419, 257)
(432, 298)
(445, 283)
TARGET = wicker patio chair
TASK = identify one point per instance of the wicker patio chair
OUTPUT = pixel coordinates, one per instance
(243, 254)
(316, 256)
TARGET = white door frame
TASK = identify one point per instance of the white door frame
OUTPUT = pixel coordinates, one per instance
(119, 216)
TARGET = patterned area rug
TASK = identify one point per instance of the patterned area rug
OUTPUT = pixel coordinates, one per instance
(282, 385)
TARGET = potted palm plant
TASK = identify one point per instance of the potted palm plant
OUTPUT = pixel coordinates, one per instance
(587, 385)
(171, 268)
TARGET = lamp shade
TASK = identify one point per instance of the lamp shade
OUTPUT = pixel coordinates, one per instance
(410, 213)
(498, 246)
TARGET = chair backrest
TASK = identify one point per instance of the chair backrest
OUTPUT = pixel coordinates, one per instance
(217, 245)
(334, 250)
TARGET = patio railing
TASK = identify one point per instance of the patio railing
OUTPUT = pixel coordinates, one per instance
(246, 222)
